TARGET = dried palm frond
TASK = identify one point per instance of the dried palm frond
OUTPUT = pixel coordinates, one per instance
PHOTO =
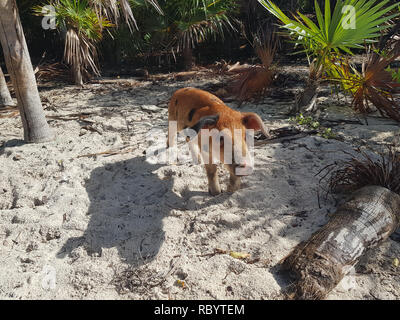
(196, 21)
(81, 54)
(380, 169)
(389, 40)
(315, 72)
(113, 10)
(51, 71)
(373, 85)
(265, 45)
(253, 82)
(84, 30)
(84, 22)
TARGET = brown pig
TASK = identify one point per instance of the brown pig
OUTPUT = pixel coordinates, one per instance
(196, 109)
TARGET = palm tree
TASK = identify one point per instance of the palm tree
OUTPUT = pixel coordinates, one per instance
(83, 28)
(193, 21)
(5, 96)
(19, 65)
(83, 23)
(331, 35)
(186, 23)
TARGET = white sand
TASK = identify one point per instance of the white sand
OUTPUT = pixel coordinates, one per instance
(118, 227)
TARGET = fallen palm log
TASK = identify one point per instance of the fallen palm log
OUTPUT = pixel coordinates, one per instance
(365, 221)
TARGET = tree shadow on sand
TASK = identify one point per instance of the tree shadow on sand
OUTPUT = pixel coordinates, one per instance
(128, 202)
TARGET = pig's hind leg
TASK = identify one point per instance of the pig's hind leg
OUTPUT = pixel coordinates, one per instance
(234, 180)
(213, 180)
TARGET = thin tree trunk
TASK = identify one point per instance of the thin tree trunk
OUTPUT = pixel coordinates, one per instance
(188, 57)
(23, 79)
(370, 216)
(5, 96)
(77, 75)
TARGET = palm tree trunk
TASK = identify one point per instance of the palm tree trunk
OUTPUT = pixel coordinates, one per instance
(365, 221)
(5, 96)
(77, 75)
(188, 57)
(23, 79)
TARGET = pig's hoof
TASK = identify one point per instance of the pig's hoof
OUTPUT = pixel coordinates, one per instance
(233, 188)
(214, 192)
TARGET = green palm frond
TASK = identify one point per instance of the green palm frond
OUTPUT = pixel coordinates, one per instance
(332, 32)
(193, 21)
(84, 22)
(373, 85)
(114, 10)
(185, 23)
(84, 29)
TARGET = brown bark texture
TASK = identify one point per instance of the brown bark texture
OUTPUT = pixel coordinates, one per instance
(366, 220)
(19, 66)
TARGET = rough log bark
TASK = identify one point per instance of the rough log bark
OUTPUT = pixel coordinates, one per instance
(367, 219)
(5, 96)
(19, 66)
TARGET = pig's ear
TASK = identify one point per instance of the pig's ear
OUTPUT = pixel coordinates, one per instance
(207, 121)
(251, 120)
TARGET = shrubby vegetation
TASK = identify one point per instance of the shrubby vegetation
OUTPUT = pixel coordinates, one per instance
(91, 34)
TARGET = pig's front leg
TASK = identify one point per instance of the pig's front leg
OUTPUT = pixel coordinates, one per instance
(213, 181)
(234, 180)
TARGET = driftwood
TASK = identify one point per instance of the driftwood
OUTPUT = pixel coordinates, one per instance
(367, 219)
(282, 135)
(108, 153)
(283, 139)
